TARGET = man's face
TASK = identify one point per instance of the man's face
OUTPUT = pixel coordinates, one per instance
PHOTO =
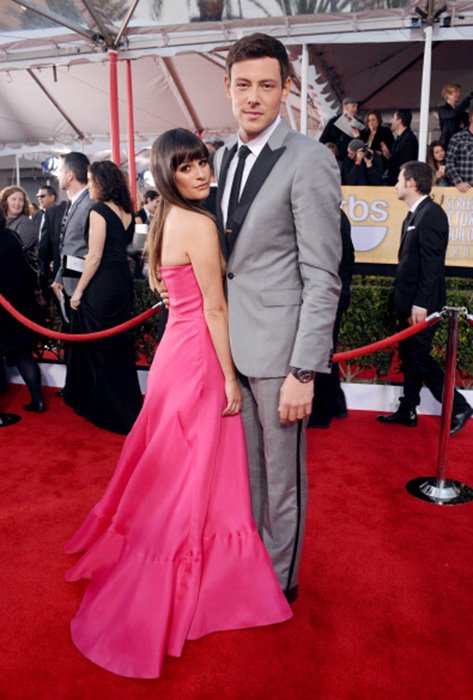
(403, 187)
(152, 204)
(63, 175)
(351, 154)
(396, 123)
(45, 199)
(255, 90)
(350, 108)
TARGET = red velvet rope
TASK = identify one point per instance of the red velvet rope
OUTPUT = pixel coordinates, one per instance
(348, 355)
(82, 336)
(390, 340)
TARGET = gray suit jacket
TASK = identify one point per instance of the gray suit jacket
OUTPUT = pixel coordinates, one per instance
(74, 241)
(282, 273)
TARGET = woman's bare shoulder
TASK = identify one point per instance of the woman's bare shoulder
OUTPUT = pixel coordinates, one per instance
(191, 222)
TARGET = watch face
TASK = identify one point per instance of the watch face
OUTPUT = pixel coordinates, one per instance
(303, 375)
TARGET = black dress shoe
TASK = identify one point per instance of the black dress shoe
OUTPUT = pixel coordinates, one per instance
(7, 419)
(341, 414)
(291, 594)
(408, 418)
(60, 393)
(459, 420)
(36, 406)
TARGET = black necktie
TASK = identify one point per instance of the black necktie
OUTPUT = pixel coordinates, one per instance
(243, 153)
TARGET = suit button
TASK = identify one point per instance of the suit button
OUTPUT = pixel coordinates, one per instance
(230, 275)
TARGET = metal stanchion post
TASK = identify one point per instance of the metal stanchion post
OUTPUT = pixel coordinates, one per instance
(439, 489)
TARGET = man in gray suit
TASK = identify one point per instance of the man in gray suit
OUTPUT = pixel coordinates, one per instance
(278, 211)
(72, 176)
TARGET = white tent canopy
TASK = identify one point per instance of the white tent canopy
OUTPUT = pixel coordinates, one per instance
(54, 73)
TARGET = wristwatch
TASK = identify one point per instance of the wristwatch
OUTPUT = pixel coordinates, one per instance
(303, 375)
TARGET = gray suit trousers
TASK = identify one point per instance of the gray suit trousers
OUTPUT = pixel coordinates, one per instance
(278, 476)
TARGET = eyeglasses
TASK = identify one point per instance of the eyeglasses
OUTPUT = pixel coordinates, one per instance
(42, 196)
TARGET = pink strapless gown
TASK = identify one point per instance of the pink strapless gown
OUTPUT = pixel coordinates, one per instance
(171, 550)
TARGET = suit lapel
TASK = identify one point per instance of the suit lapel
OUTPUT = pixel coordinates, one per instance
(259, 172)
(265, 162)
(410, 221)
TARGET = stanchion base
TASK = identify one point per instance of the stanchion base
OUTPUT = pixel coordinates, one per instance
(445, 493)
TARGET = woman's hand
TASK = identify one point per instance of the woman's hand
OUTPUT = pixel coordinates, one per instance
(234, 397)
(75, 300)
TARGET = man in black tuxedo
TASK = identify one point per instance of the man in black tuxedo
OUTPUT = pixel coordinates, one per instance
(49, 244)
(419, 290)
(405, 147)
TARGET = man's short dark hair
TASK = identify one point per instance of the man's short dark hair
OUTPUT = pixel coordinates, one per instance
(259, 45)
(77, 163)
(49, 189)
(405, 115)
(421, 173)
(149, 195)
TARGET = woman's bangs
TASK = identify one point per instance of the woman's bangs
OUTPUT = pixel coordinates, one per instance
(189, 152)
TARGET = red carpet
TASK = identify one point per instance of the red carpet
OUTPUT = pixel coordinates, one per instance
(384, 611)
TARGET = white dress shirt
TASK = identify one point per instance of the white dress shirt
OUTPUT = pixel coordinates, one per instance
(256, 145)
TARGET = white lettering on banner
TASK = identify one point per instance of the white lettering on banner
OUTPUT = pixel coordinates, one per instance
(368, 236)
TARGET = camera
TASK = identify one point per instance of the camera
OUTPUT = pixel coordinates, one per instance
(368, 154)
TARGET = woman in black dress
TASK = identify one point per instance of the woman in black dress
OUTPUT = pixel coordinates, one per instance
(17, 284)
(102, 382)
(375, 134)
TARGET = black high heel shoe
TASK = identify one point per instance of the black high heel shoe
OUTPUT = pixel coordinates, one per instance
(36, 406)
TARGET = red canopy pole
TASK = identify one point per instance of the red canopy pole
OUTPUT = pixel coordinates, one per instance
(131, 134)
(114, 120)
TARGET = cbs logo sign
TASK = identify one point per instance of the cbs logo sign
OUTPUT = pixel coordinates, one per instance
(366, 218)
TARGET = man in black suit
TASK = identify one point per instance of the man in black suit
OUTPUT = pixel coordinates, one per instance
(419, 290)
(49, 244)
(405, 147)
(148, 210)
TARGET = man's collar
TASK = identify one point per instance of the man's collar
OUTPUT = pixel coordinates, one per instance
(414, 206)
(257, 144)
(76, 196)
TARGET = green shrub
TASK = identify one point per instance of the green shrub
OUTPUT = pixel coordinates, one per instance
(367, 320)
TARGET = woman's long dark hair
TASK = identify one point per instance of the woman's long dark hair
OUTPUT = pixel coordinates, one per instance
(112, 184)
(168, 152)
(434, 164)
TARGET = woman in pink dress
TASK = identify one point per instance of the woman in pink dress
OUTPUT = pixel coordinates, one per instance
(171, 550)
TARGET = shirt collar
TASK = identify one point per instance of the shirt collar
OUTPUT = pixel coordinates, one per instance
(75, 197)
(413, 208)
(257, 144)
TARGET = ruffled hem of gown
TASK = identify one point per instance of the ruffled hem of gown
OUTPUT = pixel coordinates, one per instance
(139, 608)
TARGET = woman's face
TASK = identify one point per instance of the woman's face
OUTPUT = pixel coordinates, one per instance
(94, 188)
(439, 153)
(453, 97)
(372, 122)
(193, 179)
(15, 204)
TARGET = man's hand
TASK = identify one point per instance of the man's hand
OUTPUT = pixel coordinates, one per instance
(418, 314)
(57, 288)
(385, 150)
(163, 293)
(295, 400)
(463, 186)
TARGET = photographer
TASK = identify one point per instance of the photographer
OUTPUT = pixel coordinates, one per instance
(361, 166)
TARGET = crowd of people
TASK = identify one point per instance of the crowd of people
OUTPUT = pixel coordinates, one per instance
(371, 153)
(202, 525)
